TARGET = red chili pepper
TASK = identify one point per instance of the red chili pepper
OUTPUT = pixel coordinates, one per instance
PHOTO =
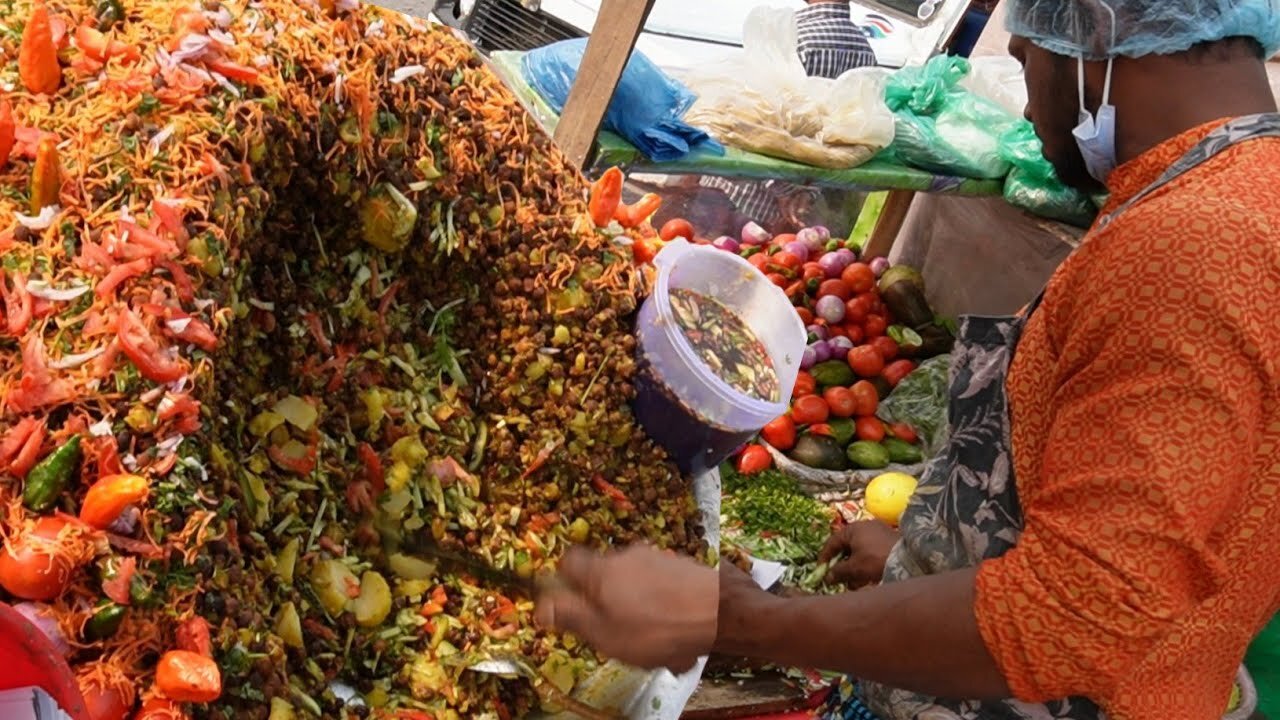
(611, 491)
(606, 195)
(373, 471)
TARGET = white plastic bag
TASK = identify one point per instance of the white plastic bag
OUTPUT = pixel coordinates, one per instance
(998, 79)
(762, 100)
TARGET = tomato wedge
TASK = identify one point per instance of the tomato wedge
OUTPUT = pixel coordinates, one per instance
(141, 348)
(235, 71)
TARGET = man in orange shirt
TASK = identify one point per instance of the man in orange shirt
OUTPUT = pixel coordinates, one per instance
(1101, 538)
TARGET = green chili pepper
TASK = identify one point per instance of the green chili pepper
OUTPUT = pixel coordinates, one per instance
(140, 592)
(104, 623)
(47, 480)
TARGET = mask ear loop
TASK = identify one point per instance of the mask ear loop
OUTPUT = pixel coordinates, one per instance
(1106, 86)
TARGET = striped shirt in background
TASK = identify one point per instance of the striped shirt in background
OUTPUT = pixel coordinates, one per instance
(830, 44)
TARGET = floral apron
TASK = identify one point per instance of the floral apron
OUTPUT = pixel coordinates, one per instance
(966, 508)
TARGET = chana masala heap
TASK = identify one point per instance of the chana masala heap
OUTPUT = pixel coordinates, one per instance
(288, 288)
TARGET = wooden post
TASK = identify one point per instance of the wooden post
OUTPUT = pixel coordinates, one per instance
(892, 217)
(618, 25)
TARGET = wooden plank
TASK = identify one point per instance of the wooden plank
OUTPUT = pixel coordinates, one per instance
(618, 25)
(892, 217)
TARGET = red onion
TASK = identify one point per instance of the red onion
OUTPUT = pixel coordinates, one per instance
(823, 233)
(840, 347)
(847, 257)
(830, 308)
(811, 240)
(818, 331)
(726, 243)
(753, 234)
(879, 266)
(797, 248)
(809, 358)
(821, 351)
(41, 616)
(830, 264)
(127, 522)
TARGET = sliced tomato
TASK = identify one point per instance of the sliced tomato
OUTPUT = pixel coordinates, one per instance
(29, 454)
(120, 273)
(16, 438)
(150, 243)
(234, 71)
(193, 636)
(117, 584)
(181, 280)
(170, 217)
(138, 344)
(37, 387)
(17, 304)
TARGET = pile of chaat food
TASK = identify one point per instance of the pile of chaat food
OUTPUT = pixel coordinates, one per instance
(291, 290)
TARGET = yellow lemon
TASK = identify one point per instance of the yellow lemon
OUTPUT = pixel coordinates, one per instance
(888, 494)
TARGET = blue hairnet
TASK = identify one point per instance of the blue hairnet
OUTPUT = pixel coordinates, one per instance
(1084, 28)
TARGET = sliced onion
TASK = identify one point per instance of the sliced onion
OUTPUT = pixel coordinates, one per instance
(67, 362)
(42, 617)
(43, 221)
(160, 138)
(102, 428)
(406, 72)
(799, 249)
(726, 243)
(127, 522)
(830, 308)
(821, 351)
(840, 347)
(178, 326)
(753, 234)
(192, 47)
(41, 289)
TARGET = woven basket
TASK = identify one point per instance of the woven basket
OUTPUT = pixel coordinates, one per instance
(827, 485)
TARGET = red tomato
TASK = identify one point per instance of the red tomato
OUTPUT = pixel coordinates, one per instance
(779, 280)
(185, 676)
(838, 331)
(859, 277)
(866, 397)
(811, 271)
(865, 361)
(875, 326)
(821, 430)
(806, 315)
(857, 309)
(783, 239)
(158, 708)
(810, 410)
(886, 346)
(141, 348)
(904, 432)
(38, 561)
(105, 703)
(677, 228)
(786, 261)
(854, 333)
(841, 401)
(834, 287)
(754, 459)
(193, 635)
(805, 385)
(895, 371)
(795, 292)
(758, 260)
(780, 433)
(869, 428)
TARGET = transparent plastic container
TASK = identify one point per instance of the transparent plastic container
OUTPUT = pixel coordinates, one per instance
(681, 402)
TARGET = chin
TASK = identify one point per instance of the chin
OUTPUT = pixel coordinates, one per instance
(1072, 171)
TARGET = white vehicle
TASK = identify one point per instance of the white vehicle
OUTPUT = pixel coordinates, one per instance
(685, 34)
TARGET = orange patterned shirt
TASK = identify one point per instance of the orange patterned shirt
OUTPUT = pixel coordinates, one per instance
(1145, 405)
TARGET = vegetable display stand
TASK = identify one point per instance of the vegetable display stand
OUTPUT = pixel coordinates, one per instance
(831, 484)
(31, 660)
(691, 410)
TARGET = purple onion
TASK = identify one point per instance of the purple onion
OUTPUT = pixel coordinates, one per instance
(753, 234)
(823, 233)
(811, 240)
(818, 331)
(726, 243)
(840, 347)
(808, 358)
(821, 351)
(127, 522)
(42, 617)
(879, 266)
(830, 265)
(830, 308)
(797, 248)
(847, 258)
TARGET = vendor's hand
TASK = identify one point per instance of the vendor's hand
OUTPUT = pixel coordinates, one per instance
(864, 547)
(641, 606)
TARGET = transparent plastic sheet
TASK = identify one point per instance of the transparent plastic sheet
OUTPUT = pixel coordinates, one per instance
(998, 79)
(762, 100)
(647, 105)
(943, 128)
(1033, 185)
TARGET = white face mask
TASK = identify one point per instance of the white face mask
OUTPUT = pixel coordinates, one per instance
(1096, 137)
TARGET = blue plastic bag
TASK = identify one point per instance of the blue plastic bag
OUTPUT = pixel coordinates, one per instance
(646, 108)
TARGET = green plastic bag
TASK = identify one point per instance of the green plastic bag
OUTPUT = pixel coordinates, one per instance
(1263, 663)
(1033, 185)
(943, 128)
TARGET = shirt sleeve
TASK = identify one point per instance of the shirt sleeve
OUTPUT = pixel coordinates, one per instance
(1153, 426)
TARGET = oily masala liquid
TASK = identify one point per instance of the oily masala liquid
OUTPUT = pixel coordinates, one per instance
(725, 343)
